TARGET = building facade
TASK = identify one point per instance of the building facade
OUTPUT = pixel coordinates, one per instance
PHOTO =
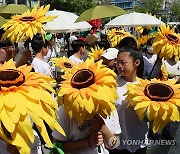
(26, 2)
(124, 4)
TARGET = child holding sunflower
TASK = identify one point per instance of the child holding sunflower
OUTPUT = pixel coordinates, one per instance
(88, 136)
(85, 100)
(129, 64)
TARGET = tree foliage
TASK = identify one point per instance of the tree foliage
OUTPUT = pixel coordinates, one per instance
(151, 6)
(175, 11)
(77, 6)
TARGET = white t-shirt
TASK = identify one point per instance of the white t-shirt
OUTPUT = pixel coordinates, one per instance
(132, 127)
(51, 54)
(149, 61)
(42, 67)
(71, 39)
(76, 131)
(35, 147)
(172, 67)
(75, 60)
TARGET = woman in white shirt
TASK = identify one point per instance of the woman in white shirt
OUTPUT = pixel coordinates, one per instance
(133, 138)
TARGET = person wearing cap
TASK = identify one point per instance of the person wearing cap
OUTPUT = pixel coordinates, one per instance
(52, 49)
(109, 57)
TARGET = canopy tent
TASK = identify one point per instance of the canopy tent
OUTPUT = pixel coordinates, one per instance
(2, 21)
(134, 19)
(100, 11)
(11, 9)
(64, 22)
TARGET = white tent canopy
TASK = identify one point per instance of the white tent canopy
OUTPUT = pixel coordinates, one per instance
(134, 19)
(64, 22)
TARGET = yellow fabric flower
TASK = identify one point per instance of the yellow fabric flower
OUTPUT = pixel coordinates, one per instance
(24, 96)
(89, 90)
(142, 40)
(115, 36)
(95, 53)
(64, 63)
(164, 72)
(141, 29)
(167, 43)
(159, 100)
(22, 27)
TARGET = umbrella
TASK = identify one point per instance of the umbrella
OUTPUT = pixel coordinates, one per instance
(100, 11)
(134, 19)
(65, 22)
(8, 10)
(2, 21)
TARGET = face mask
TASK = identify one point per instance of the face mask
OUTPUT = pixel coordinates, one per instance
(150, 49)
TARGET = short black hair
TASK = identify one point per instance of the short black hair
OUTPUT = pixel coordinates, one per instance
(136, 55)
(103, 44)
(77, 44)
(6, 42)
(127, 42)
(37, 43)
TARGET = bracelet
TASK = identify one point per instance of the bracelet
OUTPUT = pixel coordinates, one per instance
(89, 143)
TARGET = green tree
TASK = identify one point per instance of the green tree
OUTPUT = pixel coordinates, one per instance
(175, 10)
(77, 6)
(151, 6)
(154, 6)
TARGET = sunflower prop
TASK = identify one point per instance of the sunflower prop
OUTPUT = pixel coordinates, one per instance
(167, 43)
(115, 36)
(164, 73)
(96, 53)
(89, 90)
(141, 29)
(64, 63)
(142, 41)
(22, 27)
(158, 100)
(24, 97)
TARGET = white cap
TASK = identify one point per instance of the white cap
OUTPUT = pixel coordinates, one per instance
(111, 53)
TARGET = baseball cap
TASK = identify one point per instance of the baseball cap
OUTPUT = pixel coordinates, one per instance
(111, 53)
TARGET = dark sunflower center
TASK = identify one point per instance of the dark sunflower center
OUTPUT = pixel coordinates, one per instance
(82, 79)
(119, 33)
(11, 77)
(172, 38)
(67, 65)
(158, 92)
(28, 18)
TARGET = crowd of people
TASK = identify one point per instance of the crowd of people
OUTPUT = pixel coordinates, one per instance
(98, 135)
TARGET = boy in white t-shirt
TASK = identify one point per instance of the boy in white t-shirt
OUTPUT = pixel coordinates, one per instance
(79, 50)
(40, 49)
(89, 137)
